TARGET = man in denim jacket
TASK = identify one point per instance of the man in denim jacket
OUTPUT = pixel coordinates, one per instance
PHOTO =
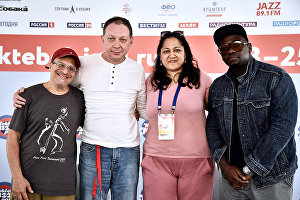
(251, 122)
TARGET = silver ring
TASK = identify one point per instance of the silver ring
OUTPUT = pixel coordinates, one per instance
(15, 197)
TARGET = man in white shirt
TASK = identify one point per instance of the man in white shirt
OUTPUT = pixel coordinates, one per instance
(113, 86)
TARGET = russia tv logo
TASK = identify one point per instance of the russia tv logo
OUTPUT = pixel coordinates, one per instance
(79, 25)
(4, 124)
(5, 189)
(41, 24)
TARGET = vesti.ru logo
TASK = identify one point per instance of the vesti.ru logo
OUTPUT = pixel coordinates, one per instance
(4, 124)
(152, 25)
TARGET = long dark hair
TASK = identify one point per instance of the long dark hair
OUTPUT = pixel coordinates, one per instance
(190, 74)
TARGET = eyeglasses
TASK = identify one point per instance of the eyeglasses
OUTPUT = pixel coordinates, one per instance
(235, 45)
(61, 65)
(164, 33)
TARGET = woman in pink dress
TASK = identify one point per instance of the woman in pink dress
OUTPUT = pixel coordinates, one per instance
(177, 162)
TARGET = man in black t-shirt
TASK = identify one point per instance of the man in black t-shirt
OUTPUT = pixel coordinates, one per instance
(41, 143)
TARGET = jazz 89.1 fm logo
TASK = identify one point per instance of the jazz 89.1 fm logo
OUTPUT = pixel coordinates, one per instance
(5, 189)
(4, 124)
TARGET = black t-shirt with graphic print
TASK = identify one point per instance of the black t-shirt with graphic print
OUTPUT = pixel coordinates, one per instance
(48, 125)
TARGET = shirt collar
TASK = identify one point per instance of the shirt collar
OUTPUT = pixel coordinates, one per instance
(110, 64)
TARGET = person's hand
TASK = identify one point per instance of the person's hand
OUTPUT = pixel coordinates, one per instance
(18, 100)
(235, 177)
(19, 186)
(136, 114)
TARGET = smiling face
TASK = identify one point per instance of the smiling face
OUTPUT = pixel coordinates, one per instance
(172, 55)
(117, 42)
(62, 77)
(233, 59)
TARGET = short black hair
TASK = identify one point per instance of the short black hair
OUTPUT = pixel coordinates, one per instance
(232, 29)
(118, 20)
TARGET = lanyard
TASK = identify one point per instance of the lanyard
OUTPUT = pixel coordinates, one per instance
(174, 100)
(98, 171)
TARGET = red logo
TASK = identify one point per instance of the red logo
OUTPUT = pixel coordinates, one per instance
(188, 25)
(88, 25)
(51, 24)
(5, 189)
(268, 9)
(4, 124)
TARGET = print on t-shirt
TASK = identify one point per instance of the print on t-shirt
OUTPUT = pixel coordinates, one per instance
(46, 136)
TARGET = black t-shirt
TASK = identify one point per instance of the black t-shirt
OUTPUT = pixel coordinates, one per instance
(48, 125)
(237, 154)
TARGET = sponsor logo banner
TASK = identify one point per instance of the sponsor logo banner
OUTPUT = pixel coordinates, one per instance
(13, 9)
(268, 9)
(168, 9)
(33, 52)
(72, 9)
(8, 24)
(152, 25)
(219, 24)
(126, 9)
(41, 24)
(188, 25)
(287, 23)
(79, 25)
(4, 124)
(5, 189)
(79, 133)
(215, 10)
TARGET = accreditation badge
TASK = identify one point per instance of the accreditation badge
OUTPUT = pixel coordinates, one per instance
(166, 126)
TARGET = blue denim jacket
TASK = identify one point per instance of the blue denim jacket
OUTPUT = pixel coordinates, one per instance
(267, 114)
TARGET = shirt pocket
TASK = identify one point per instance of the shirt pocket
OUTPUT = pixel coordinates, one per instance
(259, 112)
(218, 110)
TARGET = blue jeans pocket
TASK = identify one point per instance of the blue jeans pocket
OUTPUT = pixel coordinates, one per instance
(87, 148)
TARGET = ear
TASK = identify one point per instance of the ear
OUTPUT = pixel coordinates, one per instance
(102, 38)
(250, 47)
(131, 41)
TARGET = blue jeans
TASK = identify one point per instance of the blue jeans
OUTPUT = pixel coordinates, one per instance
(119, 171)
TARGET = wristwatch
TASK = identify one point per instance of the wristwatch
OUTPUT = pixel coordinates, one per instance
(247, 170)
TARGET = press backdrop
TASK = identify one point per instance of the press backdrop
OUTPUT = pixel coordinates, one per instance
(30, 30)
